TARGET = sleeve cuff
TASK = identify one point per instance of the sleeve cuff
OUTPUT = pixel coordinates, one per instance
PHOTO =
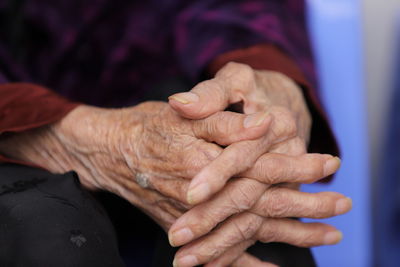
(25, 106)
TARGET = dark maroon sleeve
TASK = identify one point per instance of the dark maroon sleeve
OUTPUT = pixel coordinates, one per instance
(269, 57)
(25, 106)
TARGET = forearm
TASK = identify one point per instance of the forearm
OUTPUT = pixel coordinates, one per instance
(76, 142)
(38, 146)
(88, 142)
(42, 147)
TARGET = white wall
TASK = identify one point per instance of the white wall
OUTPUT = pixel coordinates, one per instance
(336, 34)
(379, 23)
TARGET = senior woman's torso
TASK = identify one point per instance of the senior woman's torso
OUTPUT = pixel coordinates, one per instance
(114, 53)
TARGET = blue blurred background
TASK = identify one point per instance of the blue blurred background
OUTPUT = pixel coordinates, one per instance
(355, 44)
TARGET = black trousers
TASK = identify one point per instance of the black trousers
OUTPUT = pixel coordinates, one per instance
(50, 220)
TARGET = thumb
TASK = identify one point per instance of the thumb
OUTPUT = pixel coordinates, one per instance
(204, 99)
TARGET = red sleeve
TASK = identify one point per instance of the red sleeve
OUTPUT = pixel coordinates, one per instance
(269, 57)
(25, 106)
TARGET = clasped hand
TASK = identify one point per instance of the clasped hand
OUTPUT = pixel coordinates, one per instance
(264, 173)
(216, 180)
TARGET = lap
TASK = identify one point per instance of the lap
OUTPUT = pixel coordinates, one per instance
(50, 220)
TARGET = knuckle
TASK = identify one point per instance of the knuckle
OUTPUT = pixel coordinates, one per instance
(224, 127)
(284, 123)
(242, 155)
(211, 153)
(246, 228)
(280, 80)
(208, 220)
(239, 161)
(219, 93)
(242, 198)
(245, 71)
(233, 157)
(214, 91)
(290, 127)
(234, 67)
(195, 163)
(276, 205)
(293, 147)
(241, 73)
(244, 231)
(273, 169)
(211, 128)
(197, 158)
(209, 251)
(298, 146)
(268, 233)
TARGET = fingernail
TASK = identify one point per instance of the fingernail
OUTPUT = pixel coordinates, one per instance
(255, 119)
(343, 205)
(188, 260)
(180, 237)
(185, 98)
(198, 193)
(331, 166)
(332, 238)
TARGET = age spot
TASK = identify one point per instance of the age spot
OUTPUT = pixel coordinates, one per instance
(142, 180)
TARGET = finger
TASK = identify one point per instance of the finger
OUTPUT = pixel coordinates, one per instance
(247, 259)
(239, 157)
(203, 100)
(284, 202)
(231, 255)
(273, 168)
(171, 188)
(230, 85)
(225, 127)
(193, 155)
(160, 209)
(234, 231)
(292, 147)
(245, 226)
(233, 160)
(297, 233)
(243, 194)
(268, 169)
(238, 195)
(175, 182)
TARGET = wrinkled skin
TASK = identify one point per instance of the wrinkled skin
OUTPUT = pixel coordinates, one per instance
(277, 95)
(133, 152)
(149, 154)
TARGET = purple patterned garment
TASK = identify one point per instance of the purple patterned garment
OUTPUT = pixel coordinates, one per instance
(110, 53)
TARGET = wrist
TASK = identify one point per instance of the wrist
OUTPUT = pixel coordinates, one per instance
(66, 145)
(96, 137)
(37, 146)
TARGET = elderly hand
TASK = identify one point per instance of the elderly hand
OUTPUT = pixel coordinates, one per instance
(133, 152)
(257, 91)
(146, 154)
(274, 94)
